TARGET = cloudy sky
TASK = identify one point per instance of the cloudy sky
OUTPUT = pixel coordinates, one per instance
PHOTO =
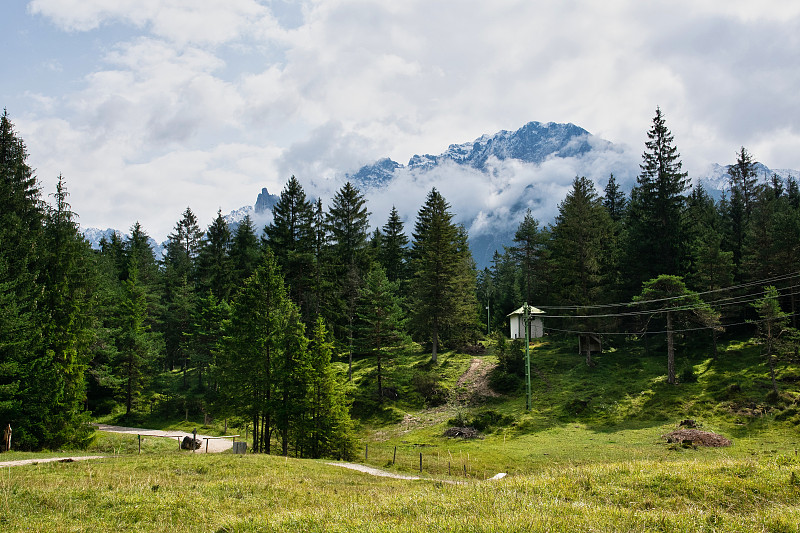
(149, 106)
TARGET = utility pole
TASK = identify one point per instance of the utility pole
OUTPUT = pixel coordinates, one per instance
(527, 321)
(488, 332)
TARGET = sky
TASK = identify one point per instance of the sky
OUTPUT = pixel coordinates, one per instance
(149, 106)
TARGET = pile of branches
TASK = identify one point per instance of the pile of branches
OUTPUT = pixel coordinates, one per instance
(463, 432)
(695, 437)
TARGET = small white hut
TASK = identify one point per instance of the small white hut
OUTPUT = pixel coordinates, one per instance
(516, 321)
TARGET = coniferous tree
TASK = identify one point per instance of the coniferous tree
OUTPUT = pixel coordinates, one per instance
(330, 427)
(291, 238)
(245, 252)
(655, 242)
(441, 262)
(21, 218)
(68, 290)
(530, 252)
(347, 225)
(667, 296)
(772, 328)
(394, 250)
(580, 248)
(380, 325)
(137, 344)
(614, 200)
(214, 261)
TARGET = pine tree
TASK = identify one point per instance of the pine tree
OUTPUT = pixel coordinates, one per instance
(614, 200)
(655, 233)
(668, 296)
(68, 291)
(579, 239)
(530, 252)
(772, 327)
(214, 261)
(21, 222)
(245, 252)
(137, 345)
(291, 238)
(330, 427)
(394, 249)
(380, 325)
(441, 287)
(347, 225)
(259, 338)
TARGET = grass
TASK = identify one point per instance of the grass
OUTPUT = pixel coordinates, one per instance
(588, 456)
(266, 493)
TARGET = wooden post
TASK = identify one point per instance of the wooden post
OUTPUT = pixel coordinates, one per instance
(394, 457)
(465, 470)
(207, 445)
(194, 439)
(366, 452)
(140, 443)
(420, 461)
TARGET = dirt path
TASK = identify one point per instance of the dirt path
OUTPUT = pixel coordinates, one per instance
(21, 462)
(383, 473)
(474, 383)
(215, 445)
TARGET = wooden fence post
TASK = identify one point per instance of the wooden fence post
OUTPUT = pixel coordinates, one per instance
(394, 457)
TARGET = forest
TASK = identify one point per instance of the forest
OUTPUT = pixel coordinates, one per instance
(257, 323)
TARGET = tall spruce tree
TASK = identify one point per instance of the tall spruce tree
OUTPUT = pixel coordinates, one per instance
(245, 253)
(441, 263)
(347, 225)
(21, 218)
(394, 248)
(580, 244)
(263, 341)
(214, 262)
(380, 325)
(291, 238)
(530, 252)
(614, 200)
(655, 232)
(68, 283)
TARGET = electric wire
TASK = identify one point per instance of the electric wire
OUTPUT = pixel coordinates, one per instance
(762, 282)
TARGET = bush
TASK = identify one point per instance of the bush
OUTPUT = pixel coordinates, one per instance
(483, 421)
(428, 386)
(504, 383)
(687, 375)
(510, 356)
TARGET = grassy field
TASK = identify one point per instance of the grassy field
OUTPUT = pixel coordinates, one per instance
(588, 456)
(172, 492)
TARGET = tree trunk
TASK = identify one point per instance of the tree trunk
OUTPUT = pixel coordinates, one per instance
(435, 349)
(670, 351)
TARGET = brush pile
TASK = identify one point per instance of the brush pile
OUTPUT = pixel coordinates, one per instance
(695, 437)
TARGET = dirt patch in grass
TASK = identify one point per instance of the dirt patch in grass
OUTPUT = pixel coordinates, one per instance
(474, 383)
(696, 437)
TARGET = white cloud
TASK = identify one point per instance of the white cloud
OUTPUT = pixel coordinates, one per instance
(351, 81)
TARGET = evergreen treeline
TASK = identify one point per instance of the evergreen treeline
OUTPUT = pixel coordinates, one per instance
(256, 327)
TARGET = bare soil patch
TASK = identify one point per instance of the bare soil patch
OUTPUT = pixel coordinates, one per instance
(474, 383)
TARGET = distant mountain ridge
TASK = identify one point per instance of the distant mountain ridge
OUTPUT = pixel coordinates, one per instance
(490, 181)
(534, 143)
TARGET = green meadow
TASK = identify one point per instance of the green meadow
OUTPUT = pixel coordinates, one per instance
(588, 456)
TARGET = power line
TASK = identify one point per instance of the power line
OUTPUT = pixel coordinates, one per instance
(684, 330)
(762, 282)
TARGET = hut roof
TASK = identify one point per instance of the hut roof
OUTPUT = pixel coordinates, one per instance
(521, 311)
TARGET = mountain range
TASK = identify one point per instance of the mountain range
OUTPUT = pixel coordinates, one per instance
(490, 182)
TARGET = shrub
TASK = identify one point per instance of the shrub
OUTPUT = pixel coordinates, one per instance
(428, 386)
